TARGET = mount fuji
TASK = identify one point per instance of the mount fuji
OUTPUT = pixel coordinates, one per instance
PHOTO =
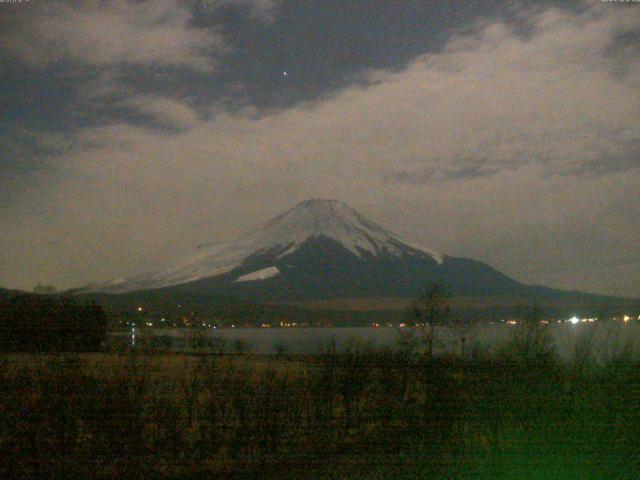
(319, 250)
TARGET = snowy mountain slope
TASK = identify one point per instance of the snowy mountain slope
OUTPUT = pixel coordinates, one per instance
(281, 237)
(319, 250)
(261, 274)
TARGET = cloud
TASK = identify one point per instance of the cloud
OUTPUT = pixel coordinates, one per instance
(263, 10)
(517, 150)
(555, 98)
(165, 111)
(111, 33)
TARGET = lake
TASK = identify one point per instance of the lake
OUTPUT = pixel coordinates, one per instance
(608, 339)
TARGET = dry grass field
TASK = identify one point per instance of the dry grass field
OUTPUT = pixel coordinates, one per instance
(357, 413)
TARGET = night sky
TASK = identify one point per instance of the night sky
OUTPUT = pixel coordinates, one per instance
(131, 131)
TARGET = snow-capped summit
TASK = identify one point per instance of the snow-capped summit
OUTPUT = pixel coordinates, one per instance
(335, 220)
(285, 234)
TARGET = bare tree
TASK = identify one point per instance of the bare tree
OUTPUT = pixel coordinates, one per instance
(429, 312)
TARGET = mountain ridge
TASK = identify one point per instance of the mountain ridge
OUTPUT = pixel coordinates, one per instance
(283, 234)
(322, 249)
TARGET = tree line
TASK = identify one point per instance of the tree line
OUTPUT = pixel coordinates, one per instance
(50, 323)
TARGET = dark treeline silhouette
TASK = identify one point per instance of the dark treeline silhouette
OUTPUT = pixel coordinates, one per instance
(31, 323)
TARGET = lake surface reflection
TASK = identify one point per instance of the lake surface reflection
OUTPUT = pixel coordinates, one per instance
(604, 339)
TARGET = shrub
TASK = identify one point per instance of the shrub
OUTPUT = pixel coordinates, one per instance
(530, 342)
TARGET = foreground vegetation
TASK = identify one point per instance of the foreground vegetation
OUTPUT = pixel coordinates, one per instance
(355, 413)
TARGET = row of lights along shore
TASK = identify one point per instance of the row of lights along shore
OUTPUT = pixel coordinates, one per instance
(574, 320)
